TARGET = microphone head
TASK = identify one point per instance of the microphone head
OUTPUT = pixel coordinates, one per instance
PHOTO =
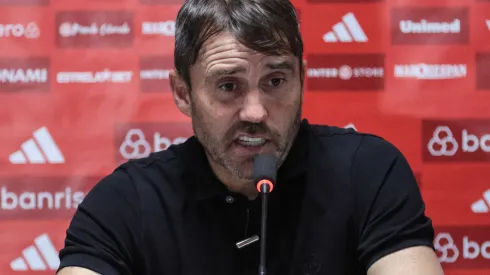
(265, 167)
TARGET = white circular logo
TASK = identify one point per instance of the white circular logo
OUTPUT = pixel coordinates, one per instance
(447, 143)
(345, 72)
(444, 243)
(32, 31)
(138, 148)
(66, 30)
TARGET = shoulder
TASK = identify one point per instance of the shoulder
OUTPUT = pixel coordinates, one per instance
(137, 177)
(163, 163)
(350, 147)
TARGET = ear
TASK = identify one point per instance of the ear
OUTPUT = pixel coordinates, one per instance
(180, 93)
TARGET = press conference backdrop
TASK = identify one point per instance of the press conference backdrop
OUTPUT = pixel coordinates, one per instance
(84, 87)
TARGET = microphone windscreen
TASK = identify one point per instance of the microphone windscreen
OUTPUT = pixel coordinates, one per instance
(265, 167)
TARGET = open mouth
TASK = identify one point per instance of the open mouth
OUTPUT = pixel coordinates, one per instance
(251, 141)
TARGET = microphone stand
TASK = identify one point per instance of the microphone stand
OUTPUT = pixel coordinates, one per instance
(264, 190)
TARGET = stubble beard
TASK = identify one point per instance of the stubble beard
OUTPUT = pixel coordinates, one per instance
(216, 147)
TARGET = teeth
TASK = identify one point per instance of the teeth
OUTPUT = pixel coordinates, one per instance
(248, 141)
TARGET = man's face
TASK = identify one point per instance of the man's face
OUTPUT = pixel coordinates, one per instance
(244, 103)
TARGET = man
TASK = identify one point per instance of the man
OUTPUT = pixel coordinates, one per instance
(344, 202)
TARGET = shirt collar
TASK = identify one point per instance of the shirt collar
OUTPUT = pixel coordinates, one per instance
(206, 184)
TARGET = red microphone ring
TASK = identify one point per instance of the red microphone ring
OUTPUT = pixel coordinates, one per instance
(268, 182)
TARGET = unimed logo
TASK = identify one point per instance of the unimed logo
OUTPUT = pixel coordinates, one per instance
(21, 74)
(456, 140)
(139, 140)
(93, 29)
(483, 73)
(346, 72)
(42, 198)
(154, 73)
(430, 26)
(463, 247)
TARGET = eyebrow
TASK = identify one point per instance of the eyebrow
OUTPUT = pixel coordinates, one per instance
(225, 71)
(286, 64)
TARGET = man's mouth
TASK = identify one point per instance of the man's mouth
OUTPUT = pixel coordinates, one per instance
(251, 141)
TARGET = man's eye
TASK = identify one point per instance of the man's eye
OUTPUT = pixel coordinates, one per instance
(276, 81)
(228, 87)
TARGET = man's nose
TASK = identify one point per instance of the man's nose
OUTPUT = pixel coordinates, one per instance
(253, 109)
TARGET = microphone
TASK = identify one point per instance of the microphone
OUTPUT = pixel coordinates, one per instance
(264, 173)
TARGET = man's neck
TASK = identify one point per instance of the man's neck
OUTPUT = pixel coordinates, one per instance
(244, 187)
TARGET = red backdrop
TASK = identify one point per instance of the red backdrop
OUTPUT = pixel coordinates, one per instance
(84, 86)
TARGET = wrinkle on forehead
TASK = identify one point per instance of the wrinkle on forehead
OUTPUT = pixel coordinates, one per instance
(224, 49)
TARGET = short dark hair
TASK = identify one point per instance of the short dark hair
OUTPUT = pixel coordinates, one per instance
(267, 26)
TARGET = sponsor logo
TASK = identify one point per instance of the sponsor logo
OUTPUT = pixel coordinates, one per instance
(483, 73)
(424, 71)
(75, 29)
(346, 72)
(154, 74)
(42, 198)
(140, 140)
(94, 29)
(351, 125)
(463, 247)
(40, 256)
(349, 30)
(105, 76)
(467, 140)
(39, 202)
(165, 28)
(29, 30)
(29, 198)
(409, 26)
(40, 149)
(482, 205)
(19, 74)
(430, 26)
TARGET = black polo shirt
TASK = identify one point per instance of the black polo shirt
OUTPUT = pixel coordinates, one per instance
(342, 201)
